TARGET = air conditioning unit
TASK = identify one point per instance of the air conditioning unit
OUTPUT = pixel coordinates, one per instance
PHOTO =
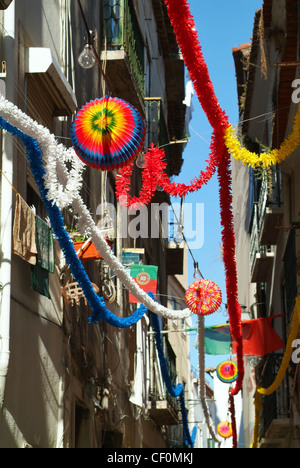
(4, 4)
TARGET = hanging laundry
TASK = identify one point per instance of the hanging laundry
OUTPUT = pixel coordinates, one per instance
(40, 281)
(24, 240)
(45, 263)
(45, 245)
(188, 101)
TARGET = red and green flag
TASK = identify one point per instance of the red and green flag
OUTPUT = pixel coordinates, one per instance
(146, 277)
(259, 338)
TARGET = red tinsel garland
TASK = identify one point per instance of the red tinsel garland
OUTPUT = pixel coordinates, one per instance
(233, 421)
(181, 190)
(187, 38)
(154, 175)
(228, 241)
(155, 165)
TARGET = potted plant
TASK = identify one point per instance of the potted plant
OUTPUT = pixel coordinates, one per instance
(84, 246)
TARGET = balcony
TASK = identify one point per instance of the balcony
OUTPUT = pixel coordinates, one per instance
(124, 52)
(275, 424)
(163, 413)
(262, 265)
(277, 433)
(163, 409)
(261, 256)
(157, 130)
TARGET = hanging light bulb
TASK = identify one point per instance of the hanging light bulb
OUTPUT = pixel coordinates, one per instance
(197, 273)
(87, 57)
(179, 236)
(140, 161)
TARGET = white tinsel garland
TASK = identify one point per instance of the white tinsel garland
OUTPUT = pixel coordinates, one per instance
(62, 185)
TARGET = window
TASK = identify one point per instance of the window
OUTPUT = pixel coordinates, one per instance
(82, 427)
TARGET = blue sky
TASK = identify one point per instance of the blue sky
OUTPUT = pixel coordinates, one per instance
(221, 26)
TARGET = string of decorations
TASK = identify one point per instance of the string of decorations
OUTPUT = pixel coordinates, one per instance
(260, 391)
(62, 185)
(154, 175)
(53, 156)
(35, 160)
(228, 242)
(185, 30)
(258, 408)
(57, 223)
(276, 156)
(233, 422)
(201, 360)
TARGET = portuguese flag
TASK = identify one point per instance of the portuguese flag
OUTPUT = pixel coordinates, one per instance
(146, 277)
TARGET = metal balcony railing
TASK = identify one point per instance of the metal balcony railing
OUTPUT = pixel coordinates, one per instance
(122, 31)
(277, 405)
(158, 390)
(270, 194)
(254, 238)
(261, 256)
(157, 130)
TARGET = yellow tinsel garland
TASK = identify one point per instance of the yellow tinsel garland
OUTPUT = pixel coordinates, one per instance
(281, 373)
(258, 408)
(276, 156)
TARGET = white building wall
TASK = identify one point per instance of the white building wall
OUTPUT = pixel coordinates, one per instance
(221, 396)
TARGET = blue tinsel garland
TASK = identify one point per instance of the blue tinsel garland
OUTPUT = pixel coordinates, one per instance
(97, 303)
(177, 392)
(99, 309)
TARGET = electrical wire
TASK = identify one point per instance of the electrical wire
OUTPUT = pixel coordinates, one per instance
(91, 42)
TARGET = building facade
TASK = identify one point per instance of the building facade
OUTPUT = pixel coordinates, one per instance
(65, 383)
(266, 207)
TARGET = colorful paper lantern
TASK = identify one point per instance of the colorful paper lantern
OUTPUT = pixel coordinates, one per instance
(203, 297)
(224, 429)
(108, 133)
(227, 372)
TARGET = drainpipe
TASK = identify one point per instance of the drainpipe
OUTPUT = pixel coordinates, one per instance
(6, 206)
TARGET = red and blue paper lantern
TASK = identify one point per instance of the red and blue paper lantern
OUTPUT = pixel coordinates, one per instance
(108, 133)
